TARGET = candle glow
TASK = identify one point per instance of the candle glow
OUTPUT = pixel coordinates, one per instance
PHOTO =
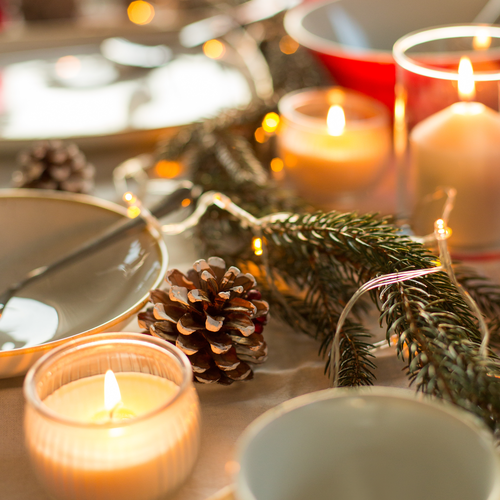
(335, 120)
(466, 85)
(332, 141)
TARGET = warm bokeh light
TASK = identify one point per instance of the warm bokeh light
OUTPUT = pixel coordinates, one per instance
(133, 212)
(112, 396)
(168, 169)
(214, 49)
(140, 12)
(399, 109)
(68, 67)
(335, 120)
(441, 229)
(186, 202)
(257, 246)
(129, 197)
(270, 122)
(291, 160)
(466, 85)
(288, 45)
(482, 41)
(277, 164)
(260, 135)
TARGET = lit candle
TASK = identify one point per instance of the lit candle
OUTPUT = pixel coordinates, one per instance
(332, 141)
(460, 147)
(127, 436)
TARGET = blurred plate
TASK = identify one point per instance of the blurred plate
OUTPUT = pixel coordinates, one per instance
(63, 87)
(101, 292)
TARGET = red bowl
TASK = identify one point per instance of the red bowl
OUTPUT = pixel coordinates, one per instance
(354, 38)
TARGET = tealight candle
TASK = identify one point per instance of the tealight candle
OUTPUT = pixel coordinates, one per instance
(131, 433)
(459, 147)
(333, 141)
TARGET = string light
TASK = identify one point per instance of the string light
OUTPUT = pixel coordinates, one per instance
(140, 12)
(214, 49)
(260, 135)
(129, 197)
(277, 164)
(288, 45)
(168, 169)
(257, 246)
(270, 122)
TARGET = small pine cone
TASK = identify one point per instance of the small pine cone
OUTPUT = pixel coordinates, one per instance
(215, 316)
(54, 165)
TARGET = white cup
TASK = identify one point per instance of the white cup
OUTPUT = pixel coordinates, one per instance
(367, 444)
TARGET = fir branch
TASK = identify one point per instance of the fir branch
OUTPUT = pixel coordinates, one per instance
(428, 314)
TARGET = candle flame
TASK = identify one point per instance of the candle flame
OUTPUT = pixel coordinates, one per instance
(335, 120)
(112, 395)
(466, 85)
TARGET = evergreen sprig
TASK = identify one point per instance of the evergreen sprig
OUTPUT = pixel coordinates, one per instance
(437, 334)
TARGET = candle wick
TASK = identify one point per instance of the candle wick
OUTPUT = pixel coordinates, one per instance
(112, 411)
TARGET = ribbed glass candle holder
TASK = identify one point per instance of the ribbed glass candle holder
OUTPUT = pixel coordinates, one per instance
(141, 449)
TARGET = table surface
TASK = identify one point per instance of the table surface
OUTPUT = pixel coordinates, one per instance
(293, 369)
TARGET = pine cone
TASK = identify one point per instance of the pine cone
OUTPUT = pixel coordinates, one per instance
(215, 316)
(54, 165)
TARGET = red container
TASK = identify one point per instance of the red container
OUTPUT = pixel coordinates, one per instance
(354, 38)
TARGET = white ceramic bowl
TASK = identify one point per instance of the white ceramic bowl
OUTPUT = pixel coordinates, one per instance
(98, 293)
(369, 444)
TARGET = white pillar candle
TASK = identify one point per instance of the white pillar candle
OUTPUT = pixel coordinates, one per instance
(460, 147)
(140, 449)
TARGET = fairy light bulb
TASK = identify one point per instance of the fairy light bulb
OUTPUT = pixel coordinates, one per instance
(214, 49)
(270, 122)
(257, 246)
(133, 210)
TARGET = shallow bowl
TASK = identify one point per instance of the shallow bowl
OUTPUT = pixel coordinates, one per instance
(354, 38)
(98, 293)
(372, 444)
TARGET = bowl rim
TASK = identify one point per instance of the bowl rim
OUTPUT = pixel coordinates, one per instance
(241, 486)
(85, 199)
(295, 28)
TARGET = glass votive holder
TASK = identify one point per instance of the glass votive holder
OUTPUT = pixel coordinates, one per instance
(87, 445)
(447, 131)
(333, 142)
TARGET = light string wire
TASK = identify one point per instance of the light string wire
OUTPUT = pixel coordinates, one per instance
(441, 234)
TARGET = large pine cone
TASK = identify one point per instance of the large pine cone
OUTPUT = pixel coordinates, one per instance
(215, 316)
(54, 165)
